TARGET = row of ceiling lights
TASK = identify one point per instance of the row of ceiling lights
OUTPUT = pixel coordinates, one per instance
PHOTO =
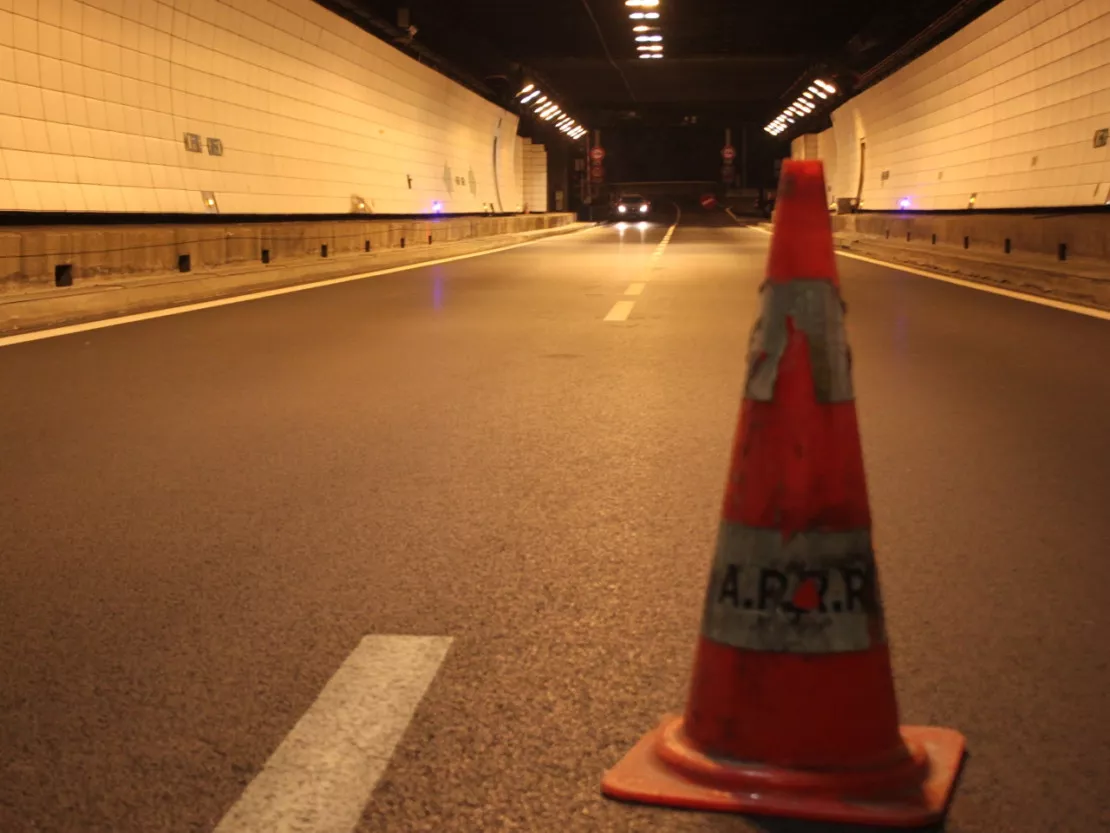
(649, 38)
(805, 104)
(547, 110)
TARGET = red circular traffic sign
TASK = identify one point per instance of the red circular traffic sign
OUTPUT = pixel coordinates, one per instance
(708, 201)
(597, 154)
(728, 153)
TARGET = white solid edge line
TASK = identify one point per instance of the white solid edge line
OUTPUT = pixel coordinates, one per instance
(99, 324)
(1090, 312)
(620, 311)
(321, 777)
(635, 289)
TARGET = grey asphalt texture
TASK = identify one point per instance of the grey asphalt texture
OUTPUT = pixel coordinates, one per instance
(202, 515)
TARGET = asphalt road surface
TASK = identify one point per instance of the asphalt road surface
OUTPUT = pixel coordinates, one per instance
(202, 516)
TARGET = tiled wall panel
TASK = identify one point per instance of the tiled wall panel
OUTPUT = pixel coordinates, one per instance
(535, 177)
(97, 96)
(1007, 109)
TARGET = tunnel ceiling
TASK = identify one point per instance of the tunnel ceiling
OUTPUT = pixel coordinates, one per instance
(727, 60)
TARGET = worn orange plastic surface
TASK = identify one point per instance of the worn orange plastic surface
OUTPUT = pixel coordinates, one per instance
(913, 792)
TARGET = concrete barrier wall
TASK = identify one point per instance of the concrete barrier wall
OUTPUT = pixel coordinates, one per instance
(30, 256)
(1084, 235)
(235, 106)
(1009, 110)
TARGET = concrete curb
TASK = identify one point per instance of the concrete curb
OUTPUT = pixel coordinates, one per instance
(1087, 288)
(1080, 287)
(45, 309)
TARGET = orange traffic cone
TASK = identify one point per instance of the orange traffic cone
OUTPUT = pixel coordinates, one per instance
(791, 709)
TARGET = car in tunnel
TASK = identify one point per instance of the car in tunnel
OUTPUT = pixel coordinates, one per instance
(628, 206)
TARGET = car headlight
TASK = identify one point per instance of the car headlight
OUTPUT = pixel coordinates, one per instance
(643, 209)
(621, 209)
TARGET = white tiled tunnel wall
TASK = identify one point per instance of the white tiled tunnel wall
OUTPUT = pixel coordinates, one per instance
(1007, 109)
(535, 177)
(518, 171)
(97, 95)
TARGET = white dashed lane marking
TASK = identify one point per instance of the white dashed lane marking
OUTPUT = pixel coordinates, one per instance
(321, 777)
(622, 309)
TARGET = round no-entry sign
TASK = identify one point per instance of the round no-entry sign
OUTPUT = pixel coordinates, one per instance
(728, 153)
(597, 154)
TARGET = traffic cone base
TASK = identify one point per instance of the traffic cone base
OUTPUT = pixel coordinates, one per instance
(663, 768)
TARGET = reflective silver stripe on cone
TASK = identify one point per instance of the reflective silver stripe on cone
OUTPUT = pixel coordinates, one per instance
(817, 311)
(815, 594)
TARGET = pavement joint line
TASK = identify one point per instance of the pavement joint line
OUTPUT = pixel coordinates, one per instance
(1090, 312)
(70, 329)
(322, 775)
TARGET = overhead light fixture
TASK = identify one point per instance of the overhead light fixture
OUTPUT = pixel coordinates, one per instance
(808, 94)
(644, 15)
(529, 97)
(642, 28)
(643, 4)
(527, 89)
(655, 55)
(650, 48)
(649, 38)
(824, 85)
